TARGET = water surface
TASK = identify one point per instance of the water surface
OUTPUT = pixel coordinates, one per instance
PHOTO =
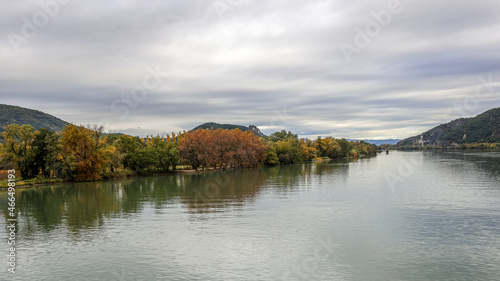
(402, 216)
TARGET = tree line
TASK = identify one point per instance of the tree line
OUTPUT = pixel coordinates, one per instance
(474, 145)
(286, 148)
(85, 153)
(222, 148)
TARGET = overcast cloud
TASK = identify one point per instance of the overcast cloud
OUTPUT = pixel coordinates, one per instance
(302, 66)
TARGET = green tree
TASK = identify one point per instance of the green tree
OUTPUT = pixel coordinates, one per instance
(157, 156)
(271, 156)
(289, 151)
(345, 147)
(282, 135)
(144, 160)
(46, 146)
(167, 154)
(127, 146)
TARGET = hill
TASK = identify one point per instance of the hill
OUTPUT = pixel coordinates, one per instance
(216, 126)
(484, 128)
(10, 114)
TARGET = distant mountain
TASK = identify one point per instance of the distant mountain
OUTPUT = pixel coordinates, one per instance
(484, 128)
(10, 114)
(379, 142)
(216, 126)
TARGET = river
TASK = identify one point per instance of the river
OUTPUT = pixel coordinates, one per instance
(401, 216)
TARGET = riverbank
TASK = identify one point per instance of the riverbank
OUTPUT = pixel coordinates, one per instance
(29, 183)
(124, 174)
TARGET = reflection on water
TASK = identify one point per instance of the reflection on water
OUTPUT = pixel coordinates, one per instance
(84, 205)
(441, 221)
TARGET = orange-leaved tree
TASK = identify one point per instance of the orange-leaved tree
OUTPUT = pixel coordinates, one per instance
(222, 148)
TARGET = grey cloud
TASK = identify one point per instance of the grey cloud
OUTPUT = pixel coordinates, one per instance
(259, 59)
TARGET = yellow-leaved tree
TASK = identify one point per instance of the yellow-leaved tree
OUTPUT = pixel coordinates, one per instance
(84, 151)
(16, 149)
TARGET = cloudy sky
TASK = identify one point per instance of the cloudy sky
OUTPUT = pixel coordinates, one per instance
(356, 69)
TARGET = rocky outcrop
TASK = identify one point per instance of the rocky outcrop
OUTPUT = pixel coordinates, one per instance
(256, 131)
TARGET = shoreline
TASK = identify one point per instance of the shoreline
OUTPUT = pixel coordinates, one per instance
(34, 183)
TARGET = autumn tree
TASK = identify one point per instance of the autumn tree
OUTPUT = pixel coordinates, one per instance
(112, 153)
(17, 149)
(83, 149)
(249, 150)
(328, 147)
(222, 148)
(196, 148)
(308, 149)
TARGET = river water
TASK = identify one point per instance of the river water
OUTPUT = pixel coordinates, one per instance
(401, 216)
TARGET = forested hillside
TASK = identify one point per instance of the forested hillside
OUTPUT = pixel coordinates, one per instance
(484, 128)
(215, 126)
(10, 114)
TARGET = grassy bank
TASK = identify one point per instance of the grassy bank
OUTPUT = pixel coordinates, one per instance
(30, 182)
(122, 174)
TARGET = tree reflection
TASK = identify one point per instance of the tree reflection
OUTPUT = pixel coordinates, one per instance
(332, 167)
(221, 191)
(80, 206)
